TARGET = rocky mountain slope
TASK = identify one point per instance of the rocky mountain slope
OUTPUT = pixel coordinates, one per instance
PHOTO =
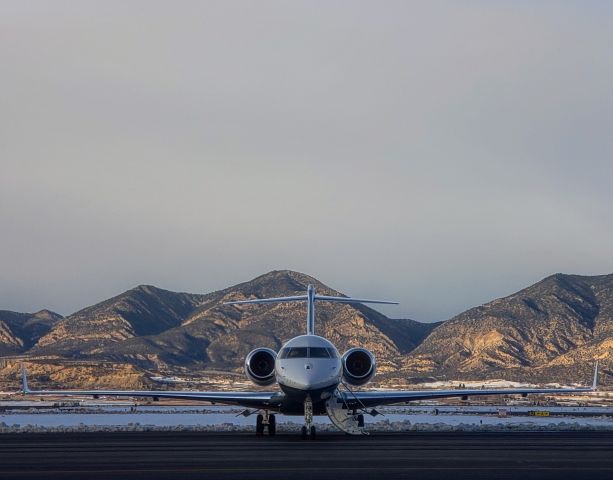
(143, 311)
(20, 331)
(551, 330)
(167, 332)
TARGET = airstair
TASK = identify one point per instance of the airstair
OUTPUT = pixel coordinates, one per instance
(346, 420)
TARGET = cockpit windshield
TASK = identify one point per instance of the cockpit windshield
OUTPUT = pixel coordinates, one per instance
(318, 352)
(298, 352)
(307, 352)
(333, 353)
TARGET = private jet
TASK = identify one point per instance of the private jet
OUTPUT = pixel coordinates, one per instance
(310, 372)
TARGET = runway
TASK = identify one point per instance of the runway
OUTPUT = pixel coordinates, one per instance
(155, 455)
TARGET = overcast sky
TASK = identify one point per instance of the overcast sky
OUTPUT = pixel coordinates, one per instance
(441, 154)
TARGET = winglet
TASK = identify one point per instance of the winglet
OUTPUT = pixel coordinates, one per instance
(24, 380)
(595, 381)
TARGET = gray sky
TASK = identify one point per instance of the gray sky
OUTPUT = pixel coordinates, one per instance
(438, 153)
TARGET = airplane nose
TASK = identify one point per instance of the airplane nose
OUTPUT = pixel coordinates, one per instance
(307, 374)
(304, 380)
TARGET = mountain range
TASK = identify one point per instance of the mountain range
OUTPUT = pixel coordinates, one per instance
(550, 331)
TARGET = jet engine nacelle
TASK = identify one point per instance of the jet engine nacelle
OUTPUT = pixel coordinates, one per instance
(260, 366)
(359, 366)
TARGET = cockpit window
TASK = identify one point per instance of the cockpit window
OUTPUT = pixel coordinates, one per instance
(318, 352)
(297, 352)
(332, 352)
(307, 352)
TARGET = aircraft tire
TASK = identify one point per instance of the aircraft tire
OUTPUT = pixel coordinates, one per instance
(304, 432)
(259, 425)
(272, 425)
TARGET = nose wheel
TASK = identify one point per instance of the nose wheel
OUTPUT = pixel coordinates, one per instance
(308, 432)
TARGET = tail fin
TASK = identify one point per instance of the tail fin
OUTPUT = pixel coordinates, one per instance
(24, 380)
(595, 381)
(310, 298)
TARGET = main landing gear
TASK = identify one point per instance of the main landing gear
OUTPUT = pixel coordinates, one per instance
(266, 420)
(308, 429)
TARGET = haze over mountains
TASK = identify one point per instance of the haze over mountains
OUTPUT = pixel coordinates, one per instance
(550, 331)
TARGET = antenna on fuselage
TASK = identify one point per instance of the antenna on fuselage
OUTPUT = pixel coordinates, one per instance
(310, 298)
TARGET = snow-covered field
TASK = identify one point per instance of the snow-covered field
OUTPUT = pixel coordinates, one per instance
(123, 417)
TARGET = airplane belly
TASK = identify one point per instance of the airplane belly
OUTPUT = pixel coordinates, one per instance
(294, 399)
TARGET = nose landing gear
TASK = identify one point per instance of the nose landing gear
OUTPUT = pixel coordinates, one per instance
(306, 432)
(308, 429)
(265, 420)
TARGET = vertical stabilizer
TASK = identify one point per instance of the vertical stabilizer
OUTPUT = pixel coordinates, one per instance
(310, 310)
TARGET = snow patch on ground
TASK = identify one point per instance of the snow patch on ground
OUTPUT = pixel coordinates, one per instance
(224, 419)
(494, 383)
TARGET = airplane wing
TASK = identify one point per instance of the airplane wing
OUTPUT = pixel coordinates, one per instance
(259, 400)
(373, 399)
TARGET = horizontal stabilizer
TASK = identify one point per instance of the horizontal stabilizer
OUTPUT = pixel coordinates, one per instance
(311, 297)
(351, 300)
(298, 298)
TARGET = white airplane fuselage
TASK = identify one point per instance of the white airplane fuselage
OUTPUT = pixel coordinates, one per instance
(307, 366)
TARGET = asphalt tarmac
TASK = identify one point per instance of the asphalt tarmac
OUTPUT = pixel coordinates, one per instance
(164, 455)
